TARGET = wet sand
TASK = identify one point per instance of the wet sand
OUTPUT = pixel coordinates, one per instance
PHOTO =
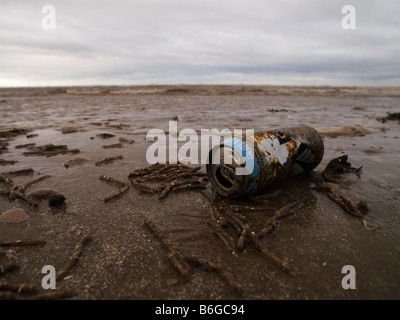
(124, 260)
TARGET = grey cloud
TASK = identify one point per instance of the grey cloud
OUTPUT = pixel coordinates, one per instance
(178, 41)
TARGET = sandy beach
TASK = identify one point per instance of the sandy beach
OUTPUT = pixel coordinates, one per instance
(122, 256)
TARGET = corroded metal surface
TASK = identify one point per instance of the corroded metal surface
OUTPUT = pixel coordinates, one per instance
(273, 155)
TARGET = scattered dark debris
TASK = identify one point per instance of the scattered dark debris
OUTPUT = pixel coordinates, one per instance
(13, 191)
(8, 267)
(332, 173)
(278, 110)
(162, 179)
(176, 90)
(105, 135)
(393, 116)
(21, 243)
(108, 160)
(181, 177)
(390, 116)
(119, 126)
(29, 292)
(345, 203)
(53, 295)
(32, 135)
(14, 291)
(112, 146)
(338, 166)
(22, 196)
(176, 118)
(26, 291)
(28, 183)
(280, 214)
(56, 200)
(18, 288)
(27, 145)
(67, 130)
(126, 140)
(75, 162)
(3, 101)
(3, 146)
(225, 215)
(208, 265)
(7, 162)
(13, 132)
(181, 262)
(124, 186)
(177, 177)
(144, 187)
(6, 180)
(49, 150)
(279, 262)
(175, 255)
(19, 172)
(74, 257)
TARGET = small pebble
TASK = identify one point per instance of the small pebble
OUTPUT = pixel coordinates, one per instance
(42, 194)
(14, 215)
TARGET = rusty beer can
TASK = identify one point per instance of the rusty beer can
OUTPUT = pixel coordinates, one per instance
(267, 156)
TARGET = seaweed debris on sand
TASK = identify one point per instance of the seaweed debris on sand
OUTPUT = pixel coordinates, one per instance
(49, 150)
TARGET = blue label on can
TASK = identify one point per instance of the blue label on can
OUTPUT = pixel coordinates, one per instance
(248, 157)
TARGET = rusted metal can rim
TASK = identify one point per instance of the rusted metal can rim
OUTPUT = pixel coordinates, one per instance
(247, 165)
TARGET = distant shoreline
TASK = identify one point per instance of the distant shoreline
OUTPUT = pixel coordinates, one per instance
(218, 89)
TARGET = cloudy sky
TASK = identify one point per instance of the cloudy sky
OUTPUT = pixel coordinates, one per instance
(289, 42)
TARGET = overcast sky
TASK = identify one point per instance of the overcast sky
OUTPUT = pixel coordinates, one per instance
(283, 42)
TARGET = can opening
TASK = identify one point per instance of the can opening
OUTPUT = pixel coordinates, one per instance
(222, 180)
(222, 172)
